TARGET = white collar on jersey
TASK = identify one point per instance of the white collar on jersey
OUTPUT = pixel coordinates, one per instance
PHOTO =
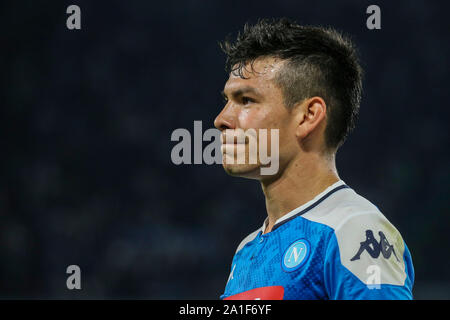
(303, 206)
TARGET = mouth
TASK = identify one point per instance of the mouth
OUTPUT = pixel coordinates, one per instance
(230, 149)
(234, 140)
(234, 143)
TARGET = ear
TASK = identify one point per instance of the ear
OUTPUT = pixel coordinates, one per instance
(312, 113)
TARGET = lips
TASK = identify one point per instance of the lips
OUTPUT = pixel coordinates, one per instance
(233, 140)
(230, 147)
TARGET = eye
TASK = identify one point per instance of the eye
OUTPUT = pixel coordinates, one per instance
(247, 100)
(224, 98)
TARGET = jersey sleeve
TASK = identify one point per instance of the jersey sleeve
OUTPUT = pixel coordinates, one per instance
(367, 259)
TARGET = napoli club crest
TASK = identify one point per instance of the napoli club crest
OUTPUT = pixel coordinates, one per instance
(296, 255)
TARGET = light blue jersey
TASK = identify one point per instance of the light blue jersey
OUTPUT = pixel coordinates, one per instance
(336, 246)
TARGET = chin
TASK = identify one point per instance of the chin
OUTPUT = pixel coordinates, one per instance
(243, 170)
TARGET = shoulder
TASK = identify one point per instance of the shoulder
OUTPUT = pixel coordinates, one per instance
(347, 209)
(363, 237)
(247, 240)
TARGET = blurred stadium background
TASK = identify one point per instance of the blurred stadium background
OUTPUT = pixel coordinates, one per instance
(86, 119)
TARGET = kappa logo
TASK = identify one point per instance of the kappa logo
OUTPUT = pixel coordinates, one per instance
(383, 247)
(296, 255)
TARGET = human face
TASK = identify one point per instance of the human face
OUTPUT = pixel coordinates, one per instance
(255, 102)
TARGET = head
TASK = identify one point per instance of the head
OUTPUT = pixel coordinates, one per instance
(303, 81)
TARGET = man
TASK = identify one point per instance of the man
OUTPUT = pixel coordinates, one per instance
(320, 240)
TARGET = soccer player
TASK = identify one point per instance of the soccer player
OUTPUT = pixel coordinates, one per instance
(321, 239)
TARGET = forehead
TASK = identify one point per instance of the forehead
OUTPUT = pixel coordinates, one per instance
(259, 74)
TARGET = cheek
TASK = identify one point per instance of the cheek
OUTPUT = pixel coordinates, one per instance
(256, 118)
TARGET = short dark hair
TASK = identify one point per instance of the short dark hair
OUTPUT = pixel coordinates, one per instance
(319, 62)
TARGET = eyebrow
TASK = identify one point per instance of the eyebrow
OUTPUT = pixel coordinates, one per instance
(238, 92)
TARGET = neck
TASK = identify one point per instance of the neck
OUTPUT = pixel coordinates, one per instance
(299, 183)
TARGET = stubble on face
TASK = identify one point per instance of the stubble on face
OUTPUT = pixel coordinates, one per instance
(267, 113)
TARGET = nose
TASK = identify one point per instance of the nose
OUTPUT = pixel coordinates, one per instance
(225, 119)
